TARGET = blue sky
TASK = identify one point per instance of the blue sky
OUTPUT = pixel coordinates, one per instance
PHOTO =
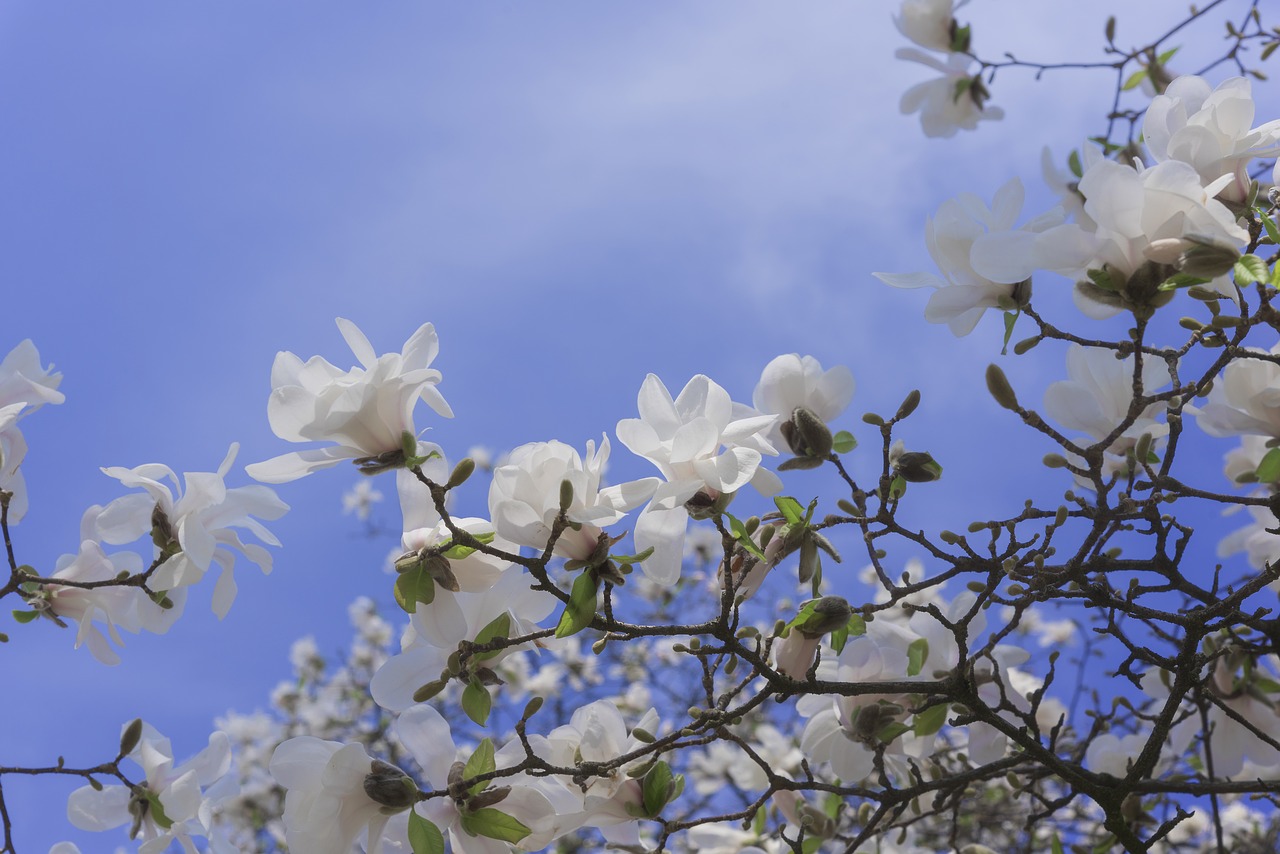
(576, 194)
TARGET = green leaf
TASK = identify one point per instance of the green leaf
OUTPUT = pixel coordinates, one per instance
(480, 762)
(1181, 280)
(930, 720)
(1055, 844)
(1164, 58)
(917, 652)
(458, 551)
(1269, 468)
(656, 788)
(1010, 318)
(843, 442)
(856, 626)
(581, 609)
(628, 559)
(890, 731)
(494, 824)
(413, 587)
(1270, 225)
(811, 844)
(25, 616)
(1250, 269)
(743, 538)
(498, 627)
(424, 836)
(156, 811)
(1073, 163)
(1135, 80)
(790, 509)
(476, 702)
(897, 487)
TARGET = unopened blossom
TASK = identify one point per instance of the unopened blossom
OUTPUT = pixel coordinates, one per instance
(793, 382)
(180, 791)
(1245, 399)
(1209, 128)
(365, 411)
(25, 386)
(193, 527)
(955, 101)
(928, 23)
(524, 497)
(1143, 222)
(1097, 397)
(985, 262)
(702, 443)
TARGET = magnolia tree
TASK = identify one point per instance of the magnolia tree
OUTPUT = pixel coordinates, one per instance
(591, 664)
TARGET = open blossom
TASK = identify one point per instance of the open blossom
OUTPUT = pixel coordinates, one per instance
(524, 497)
(928, 23)
(360, 499)
(1097, 397)
(983, 259)
(327, 806)
(1245, 399)
(793, 381)
(365, 411)
(953, 102)
(683, 437)
(1138, 216)
(25, 386)
(1210, 130)
(193, 527)
(180, 791)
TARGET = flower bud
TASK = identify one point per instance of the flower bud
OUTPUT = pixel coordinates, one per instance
(1205, 259)
(387, 785)
(461, 472)
(806, 434)
(918, 467)
(998, 385)
(438, 567)
(488, 797)
(829, 613)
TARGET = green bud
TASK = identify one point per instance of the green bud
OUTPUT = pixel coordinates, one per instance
(829, 613)
(387, 785)
(998, 385)
(909, 404)
(130, 737)
(566, 495)
(1205, 259)
(426, 692)
(806, 434)
(461, 472)
(918, 467)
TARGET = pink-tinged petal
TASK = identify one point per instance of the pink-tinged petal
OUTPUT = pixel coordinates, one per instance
(425, 734)
(359, 344)
(289, 467)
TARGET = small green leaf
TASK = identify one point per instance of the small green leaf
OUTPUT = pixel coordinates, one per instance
(1163, 59)
(843, 442)
(1135, 80)
(498, 627)
(1073, 163)
(743, 538)
(811, 844)
(930, 720)
(656, 788)
(156, 810)
(476, 702)
(581, 608)
(840, 637)
(629, 559)
(1269, 224)
(1181, 280)
(1055, 844)
(1269, 468)
(413, 587)
(494, 824)
(424, 836)
(1010, 318)
(25, 616)
(890, 731)
(458, 551)
(790, 509)
(481, 762)
(1250, 269)
(917, 652)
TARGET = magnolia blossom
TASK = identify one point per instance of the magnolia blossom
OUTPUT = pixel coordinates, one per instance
(178, 791)
(360, 499)
(365, 411)
(524, 497)
(25, 386)
(1097, 398)
(196, 527)
(950, 103)
(1245, 399)
(983, 259)
(683, 438)
(327, 806)
(793, 381)
(1138, 216)
(928, 23)
(1209, 129)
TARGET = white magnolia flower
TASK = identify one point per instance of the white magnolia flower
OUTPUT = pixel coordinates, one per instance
(524, 497)
(197, 524)
(1245, 399)
(1097, 398)
(185, 809)
(982, 257)
(928, 23)
(364, 410)
(683, 438)
(1210, 130)
(1138, 216)
(793, 381)
(953, 102)
(25, 386)
(360, 499)
(327, 806)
